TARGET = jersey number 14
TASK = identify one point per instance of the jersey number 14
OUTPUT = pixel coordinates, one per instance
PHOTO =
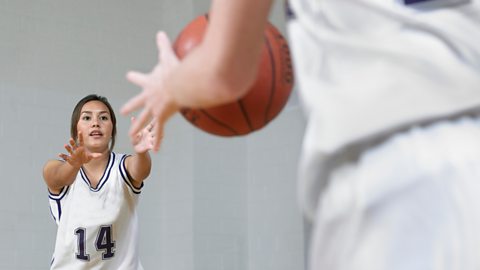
(103, 242)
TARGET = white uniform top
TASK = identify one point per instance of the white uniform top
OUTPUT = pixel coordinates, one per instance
(97, 227)
(367, 68)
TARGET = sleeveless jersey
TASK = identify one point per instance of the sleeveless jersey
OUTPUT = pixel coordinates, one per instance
(368, 68)
(97, 227)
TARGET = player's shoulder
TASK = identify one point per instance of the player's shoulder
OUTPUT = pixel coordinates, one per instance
(118, 160)
(117, 157)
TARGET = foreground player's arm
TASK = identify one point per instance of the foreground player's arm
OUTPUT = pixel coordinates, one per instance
(218, 71)
(225, 64)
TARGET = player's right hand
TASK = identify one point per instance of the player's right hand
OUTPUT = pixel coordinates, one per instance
(77, 154)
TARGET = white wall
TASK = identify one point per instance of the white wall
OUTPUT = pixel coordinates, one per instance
(210, 203)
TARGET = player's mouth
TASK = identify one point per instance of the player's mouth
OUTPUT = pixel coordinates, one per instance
(96, 133)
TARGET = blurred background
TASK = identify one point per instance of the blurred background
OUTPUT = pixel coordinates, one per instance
(211, 203)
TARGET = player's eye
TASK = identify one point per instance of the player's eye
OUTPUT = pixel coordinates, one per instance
(86, 118)
(104, 118)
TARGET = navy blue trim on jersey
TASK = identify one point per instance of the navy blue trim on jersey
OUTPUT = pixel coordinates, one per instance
(59, 209)
(105, 176)
(57, 199)
(289, 11)
(408, 2)
(84, 177)
(433, 4)
(126, 178)
(51, 213)
(60, 195)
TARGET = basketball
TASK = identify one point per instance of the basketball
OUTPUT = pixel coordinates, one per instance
(265, 99)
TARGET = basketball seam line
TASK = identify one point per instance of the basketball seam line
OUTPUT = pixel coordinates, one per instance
(272, 87)
(245, 114)
(219, 122)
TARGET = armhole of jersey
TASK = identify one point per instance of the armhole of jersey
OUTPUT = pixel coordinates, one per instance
(289, 14)
(56, 203)
(126, 177)
(52, 195)
(426, 5)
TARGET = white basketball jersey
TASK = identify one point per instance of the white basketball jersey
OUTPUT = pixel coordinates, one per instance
(368, 68)
(97, 227)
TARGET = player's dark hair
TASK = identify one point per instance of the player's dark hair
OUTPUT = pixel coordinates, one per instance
(78, 109)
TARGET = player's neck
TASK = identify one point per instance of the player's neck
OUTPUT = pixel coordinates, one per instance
(99, 163)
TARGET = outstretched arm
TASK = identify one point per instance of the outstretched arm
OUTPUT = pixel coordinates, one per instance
(58, 174)
(139, 164)
(218, 71)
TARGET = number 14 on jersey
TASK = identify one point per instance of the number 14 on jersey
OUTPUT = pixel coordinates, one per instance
(103, 243)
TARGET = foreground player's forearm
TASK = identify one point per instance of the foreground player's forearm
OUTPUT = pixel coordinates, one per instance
(228, 55)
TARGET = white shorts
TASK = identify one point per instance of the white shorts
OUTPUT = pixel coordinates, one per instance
(411, 203)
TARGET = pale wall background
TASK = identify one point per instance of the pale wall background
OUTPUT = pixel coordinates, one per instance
(211, 203)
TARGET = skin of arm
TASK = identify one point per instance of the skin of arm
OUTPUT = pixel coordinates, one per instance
(58, 174)
(231, 47)
(218, 71)
(139, 164)
(138, 167)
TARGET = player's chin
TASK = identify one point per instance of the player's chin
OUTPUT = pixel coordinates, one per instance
(98, 146)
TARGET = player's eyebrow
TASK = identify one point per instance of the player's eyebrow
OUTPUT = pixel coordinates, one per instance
(99, 111)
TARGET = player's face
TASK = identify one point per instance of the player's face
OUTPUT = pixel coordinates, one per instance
(95, 123)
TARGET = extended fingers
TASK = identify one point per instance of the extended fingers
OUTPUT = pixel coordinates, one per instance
(63, 156)
(80, 138)
(138, 124)
(69, 149)
(137, 78)
(72, 146)
(158, 131)
(72, 143)
(150, 126)
(134, 104)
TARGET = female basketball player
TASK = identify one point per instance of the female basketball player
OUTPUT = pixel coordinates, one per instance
(390, 167)
(94, 192)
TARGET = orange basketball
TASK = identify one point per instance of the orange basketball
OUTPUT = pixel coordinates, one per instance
(264, 100)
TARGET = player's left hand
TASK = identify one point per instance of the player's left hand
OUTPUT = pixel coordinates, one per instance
(143, 140)
(158, 105)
